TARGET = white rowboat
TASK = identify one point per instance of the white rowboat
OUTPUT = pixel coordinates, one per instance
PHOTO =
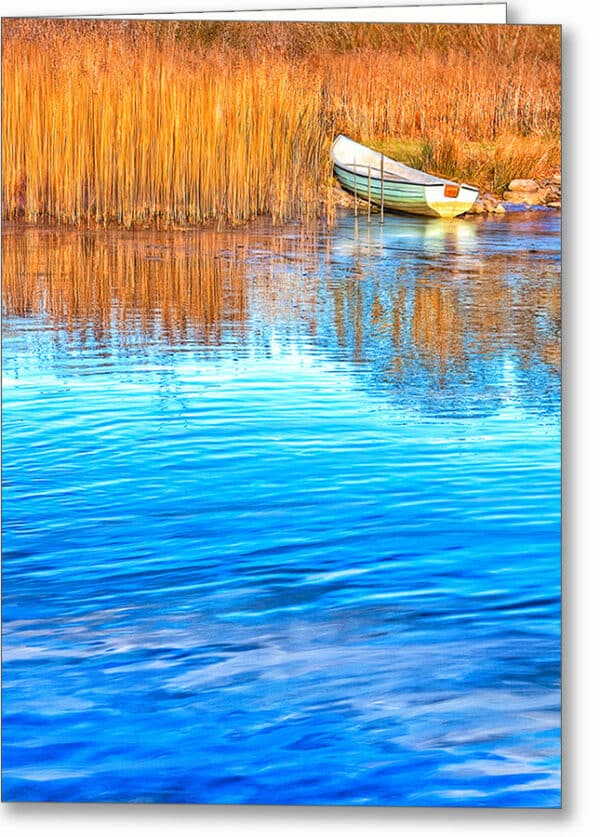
(373, 177)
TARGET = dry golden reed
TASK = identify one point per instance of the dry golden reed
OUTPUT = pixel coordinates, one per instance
(137, 123)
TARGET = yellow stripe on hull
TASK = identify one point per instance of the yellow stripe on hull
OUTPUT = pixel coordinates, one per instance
(445, 209)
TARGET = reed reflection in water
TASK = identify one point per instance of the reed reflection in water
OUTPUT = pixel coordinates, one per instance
(283, 502)
(434, 314)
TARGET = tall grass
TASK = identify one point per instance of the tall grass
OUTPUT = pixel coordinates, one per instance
(491, 164)
(108, 135)
(137, 123)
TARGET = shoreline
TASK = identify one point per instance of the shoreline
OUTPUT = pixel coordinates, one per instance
(522, 196)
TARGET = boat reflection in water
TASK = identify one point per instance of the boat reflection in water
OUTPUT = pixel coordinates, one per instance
(283, 502)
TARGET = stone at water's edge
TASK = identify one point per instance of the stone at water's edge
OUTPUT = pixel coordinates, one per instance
(529, 192)
(536, 198)
(486, 204)
(486, 208)
(522, 185)
(522, 192)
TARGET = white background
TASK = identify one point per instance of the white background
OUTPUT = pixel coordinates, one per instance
(73, 7)
(581, 470)
(450, 13)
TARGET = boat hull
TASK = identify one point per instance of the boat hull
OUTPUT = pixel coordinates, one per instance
(413, 198)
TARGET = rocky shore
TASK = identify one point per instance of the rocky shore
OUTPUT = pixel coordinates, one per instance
(522, 193)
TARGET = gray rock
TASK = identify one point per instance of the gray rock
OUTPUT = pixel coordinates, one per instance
(529, 198)
(477, 208)
(520, 185)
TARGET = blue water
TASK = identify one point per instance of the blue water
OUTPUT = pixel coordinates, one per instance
(281, 514)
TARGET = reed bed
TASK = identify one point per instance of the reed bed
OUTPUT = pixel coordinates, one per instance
(134, 123)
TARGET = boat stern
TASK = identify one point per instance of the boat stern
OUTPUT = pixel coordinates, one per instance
(447, 200)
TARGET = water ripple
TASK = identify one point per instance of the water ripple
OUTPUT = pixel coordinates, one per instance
(293, 511)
